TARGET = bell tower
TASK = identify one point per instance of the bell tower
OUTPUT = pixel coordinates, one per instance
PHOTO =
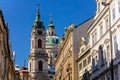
(37, 60)
(52, 42)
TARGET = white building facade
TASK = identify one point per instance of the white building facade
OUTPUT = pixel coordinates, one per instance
(100, 42)
(115, 32)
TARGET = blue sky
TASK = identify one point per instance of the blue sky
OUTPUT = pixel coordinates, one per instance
(20, 15)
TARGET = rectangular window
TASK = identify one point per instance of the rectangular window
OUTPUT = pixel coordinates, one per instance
(102, 78)
(107, 24)
(115, 45)
(84, 63)
(113, 13)
(96, 60)
(108, 52)
(119, 6)
(80, 66)
(116, 75)
(108, 76)
(89, 59)
(101, 31)
(93, 40)
(95, 36)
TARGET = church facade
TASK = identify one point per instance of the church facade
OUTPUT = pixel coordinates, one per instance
(43, 50)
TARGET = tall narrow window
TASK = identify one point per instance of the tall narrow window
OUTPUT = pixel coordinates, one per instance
(106, 23)
(95, 36)
(101, 31)
(89, 59)
(101, 56)
(93, 64)
(40, 65)
(113, 13)
(84, 63)
(93, 39)
(116, 75)
(96, 61)
(119, 6)
(80, 66)
(39, 43)
(115, 45)
(108, 52)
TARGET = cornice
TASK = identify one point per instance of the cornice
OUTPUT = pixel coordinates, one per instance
(98, 18)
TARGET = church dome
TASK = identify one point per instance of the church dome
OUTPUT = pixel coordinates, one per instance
(52, 40)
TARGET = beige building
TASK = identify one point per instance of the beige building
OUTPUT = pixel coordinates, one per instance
(65, 63)
(24, 73)
(7, 71)
(84, 60)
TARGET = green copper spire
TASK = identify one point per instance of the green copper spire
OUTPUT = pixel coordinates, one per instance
(51, 23)
(38, 22)
(38, 14)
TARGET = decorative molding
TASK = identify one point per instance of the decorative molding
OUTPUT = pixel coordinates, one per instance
(102, 45)
(106, 41)
(118, 26)
(113, 31)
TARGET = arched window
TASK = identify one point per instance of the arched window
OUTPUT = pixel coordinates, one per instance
(39, 43)
(40, 65)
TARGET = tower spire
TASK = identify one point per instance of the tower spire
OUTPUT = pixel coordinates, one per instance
(38, 22)
(51, 18)
(38, 12)
(51, 22)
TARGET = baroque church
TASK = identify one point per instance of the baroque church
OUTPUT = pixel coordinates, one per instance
(44, 47)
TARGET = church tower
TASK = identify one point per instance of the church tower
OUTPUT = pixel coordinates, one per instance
(38, 60)
(52, 42)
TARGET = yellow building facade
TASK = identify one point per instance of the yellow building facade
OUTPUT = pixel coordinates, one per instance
(64, 61)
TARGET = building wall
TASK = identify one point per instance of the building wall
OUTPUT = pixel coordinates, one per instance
(64, 60)
(84, 61)
(79, 32)
(7, 71)
(115, 31)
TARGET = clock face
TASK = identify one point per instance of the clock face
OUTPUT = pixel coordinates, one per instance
(39, 32)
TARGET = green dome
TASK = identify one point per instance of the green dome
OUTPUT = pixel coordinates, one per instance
(52, 40)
